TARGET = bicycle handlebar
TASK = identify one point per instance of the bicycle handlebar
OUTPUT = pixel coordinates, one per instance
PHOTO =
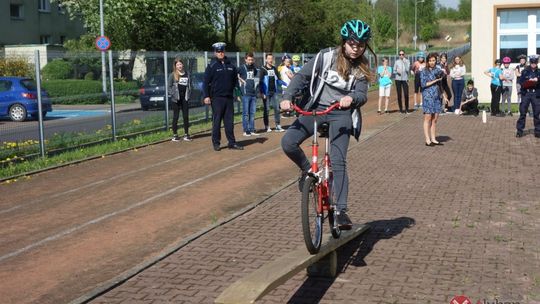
(315, 113)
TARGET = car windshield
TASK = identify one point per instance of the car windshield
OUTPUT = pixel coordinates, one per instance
(29, 84)
(155, 80)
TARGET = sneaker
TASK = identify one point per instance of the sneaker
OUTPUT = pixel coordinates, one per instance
(254, 133)
(279, 129)
(268, 130)
(247, 134)
(187, 138)
(343, 220)
(175, 138)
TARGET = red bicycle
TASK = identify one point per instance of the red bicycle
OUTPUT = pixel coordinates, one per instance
(317, 191)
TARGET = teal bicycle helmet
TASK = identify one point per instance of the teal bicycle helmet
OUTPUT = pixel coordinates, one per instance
(356, 30)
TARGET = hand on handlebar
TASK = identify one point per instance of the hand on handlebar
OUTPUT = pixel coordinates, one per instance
(285, 105)
(345, 102)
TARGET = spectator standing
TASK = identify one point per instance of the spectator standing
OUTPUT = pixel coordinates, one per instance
(385, 83)
(469, 100)
(339, 74)
(508, 74)
(519, 68)
(296, 67)
(417, 67)
(447, 96)
(285, 71)
(179, 84)
(457, 73)
(495, 86)
(248, 82)
(401, 72)
(530, 93)
(430, 79)
(268, 84)
(220, 80)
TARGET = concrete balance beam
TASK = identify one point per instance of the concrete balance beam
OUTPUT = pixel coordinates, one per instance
(260, 282)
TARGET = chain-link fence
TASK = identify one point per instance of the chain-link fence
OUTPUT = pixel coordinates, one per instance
(78, 108)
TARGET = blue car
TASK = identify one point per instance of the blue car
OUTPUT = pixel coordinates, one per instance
(18, 98)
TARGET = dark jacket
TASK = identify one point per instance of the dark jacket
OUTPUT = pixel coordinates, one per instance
(269, 84)
(527, 74)
(220, 79)
(250, 76)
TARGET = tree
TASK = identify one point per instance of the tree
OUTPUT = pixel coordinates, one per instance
(148, 24)
(464, 10)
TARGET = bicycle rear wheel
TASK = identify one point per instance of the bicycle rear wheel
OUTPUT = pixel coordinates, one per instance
(311, 220)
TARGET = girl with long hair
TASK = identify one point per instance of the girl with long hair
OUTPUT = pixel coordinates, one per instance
(341, 75)
(430, 81)
(179, 84)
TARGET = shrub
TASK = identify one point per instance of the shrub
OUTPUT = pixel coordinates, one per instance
(89, 76)
(57, 69)
(75, 91)
(16, 67)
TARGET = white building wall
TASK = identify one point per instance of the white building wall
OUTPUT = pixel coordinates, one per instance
(484, 48)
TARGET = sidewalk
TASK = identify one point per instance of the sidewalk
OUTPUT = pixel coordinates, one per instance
(455, 219)
(121, 107)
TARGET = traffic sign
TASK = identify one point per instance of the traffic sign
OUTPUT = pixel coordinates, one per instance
(103, 43)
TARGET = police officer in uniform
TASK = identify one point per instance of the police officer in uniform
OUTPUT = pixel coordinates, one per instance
(220, 79)
(530, 94)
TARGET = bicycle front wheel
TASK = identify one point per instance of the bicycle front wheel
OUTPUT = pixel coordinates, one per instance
(311, 220)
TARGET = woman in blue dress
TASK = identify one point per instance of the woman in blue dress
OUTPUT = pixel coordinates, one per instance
(430, 79)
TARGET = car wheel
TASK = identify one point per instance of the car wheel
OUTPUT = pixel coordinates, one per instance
(144, 108)
(17, 112)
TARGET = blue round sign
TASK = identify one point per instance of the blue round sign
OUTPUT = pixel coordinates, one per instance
(103, 43)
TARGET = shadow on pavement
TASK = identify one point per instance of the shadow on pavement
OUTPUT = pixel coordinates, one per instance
(354, 253)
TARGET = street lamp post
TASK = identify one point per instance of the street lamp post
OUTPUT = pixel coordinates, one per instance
(103, 66)
(415, 38)
(397, 26)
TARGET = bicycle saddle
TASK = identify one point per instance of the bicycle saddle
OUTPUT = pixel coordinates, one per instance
(323, 129)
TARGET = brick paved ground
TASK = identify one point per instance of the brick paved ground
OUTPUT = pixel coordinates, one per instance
(462, 218)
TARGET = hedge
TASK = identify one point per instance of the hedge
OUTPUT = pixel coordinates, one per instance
(57, 69)
(75, 91)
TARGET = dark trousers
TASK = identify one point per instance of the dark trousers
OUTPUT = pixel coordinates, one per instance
(470, 107)
(457, 88)
(526, 99)
(495, 99)
(222, 110)
(402, 85)
(176, 106)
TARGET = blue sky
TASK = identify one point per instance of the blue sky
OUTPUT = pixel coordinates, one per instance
(449, 3)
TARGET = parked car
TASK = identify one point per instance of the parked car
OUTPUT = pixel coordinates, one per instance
(18, 98)
(152, 93)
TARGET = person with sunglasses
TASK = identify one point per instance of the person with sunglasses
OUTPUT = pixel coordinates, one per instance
(220, 80)
(401, 70)
(341, 75)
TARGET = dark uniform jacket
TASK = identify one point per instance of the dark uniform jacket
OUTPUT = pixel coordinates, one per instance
(527, 74)
(220, 79)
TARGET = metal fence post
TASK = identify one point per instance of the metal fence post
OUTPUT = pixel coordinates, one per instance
(235, 98)
(40, 107)
(206, 107)
(113, 108)
(166, 90)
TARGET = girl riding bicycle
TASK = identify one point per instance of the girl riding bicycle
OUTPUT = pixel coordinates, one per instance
(339, 75)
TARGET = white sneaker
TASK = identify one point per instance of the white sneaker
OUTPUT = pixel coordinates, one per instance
(247, 134)
(279, 129)
(175, 138)
(268, 130)
(254, 133)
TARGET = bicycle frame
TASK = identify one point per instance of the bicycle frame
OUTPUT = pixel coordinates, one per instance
(323, 175)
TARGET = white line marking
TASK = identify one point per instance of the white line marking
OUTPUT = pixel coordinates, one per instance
(141, 203)
(98, 182)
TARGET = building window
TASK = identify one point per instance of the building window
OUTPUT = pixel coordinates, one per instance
(518, 32)
(45, 39)
(514, 19)
(513, 46)
(44, 5)
(16, 11)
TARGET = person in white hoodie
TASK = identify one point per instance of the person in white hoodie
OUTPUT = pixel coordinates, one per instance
(457, 73)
